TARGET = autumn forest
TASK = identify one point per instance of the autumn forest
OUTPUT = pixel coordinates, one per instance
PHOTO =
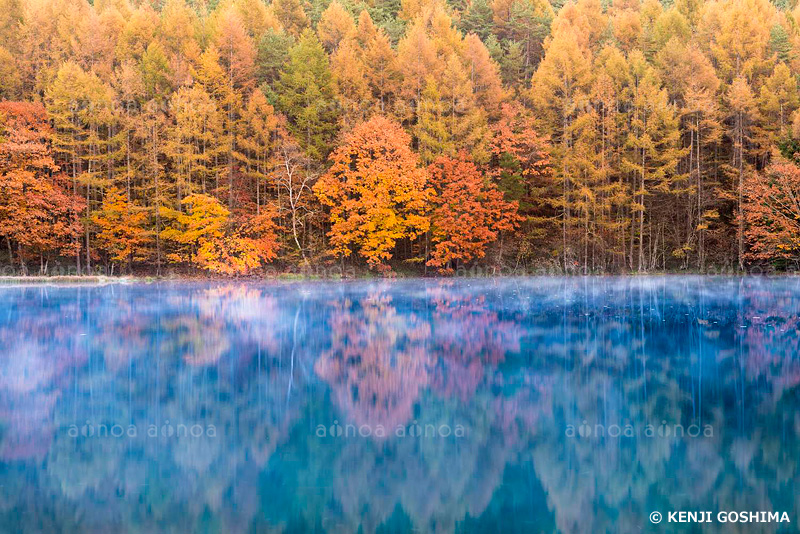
(401, 136)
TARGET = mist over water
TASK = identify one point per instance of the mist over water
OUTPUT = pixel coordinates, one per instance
(567, 405)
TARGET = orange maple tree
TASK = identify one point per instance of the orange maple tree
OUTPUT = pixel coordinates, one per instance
(122, 228)
(205, 237)
(469, 212)
(376, 192)
(37, 215)
(772, 212)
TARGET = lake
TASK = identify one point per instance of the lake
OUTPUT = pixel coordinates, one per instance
(573, 405)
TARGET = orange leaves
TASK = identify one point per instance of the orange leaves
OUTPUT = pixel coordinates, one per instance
(378, 195)
(206, 238)
(515, 136)
(25, 136)
(469, 214)
(335, 25)
(122, 228)
(237, 51)
(376, 192)
(256, 237)
(772, 212)
(35, 212)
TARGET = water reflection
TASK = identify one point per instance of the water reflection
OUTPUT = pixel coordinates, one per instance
(198, 407)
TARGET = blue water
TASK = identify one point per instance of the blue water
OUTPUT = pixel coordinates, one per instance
(575, 405)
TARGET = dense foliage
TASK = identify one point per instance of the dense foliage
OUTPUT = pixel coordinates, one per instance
(226, 135)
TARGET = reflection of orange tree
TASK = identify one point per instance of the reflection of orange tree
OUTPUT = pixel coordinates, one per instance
(124, 324)
(467, 336)
(380, 363)
(33, 373)
(200, 338)
(773, 321)
(377, 363)
(244, 398)
(380, 360)
(225, 315)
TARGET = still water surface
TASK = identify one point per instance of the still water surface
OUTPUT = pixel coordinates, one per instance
(576, 405)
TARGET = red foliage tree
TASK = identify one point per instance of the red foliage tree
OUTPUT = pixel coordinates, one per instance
(470, 212)
(772, 212)
(37, 215)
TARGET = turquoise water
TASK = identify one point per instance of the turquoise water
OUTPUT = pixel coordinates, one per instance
(520, 405)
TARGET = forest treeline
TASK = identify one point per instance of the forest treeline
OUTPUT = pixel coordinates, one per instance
(406, 135)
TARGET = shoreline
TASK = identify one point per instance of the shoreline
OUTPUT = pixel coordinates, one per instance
(67, 280)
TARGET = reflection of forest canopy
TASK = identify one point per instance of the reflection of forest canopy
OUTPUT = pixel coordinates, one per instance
(513, 363)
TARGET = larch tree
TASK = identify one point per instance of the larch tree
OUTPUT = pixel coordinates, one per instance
(484, 75)
(258, 143)
(466, 120)
(607, 99)
(10, 79)
(449, 117)
(177, 27)
(255, 17)
(653, 153)
(43, 40)
(291, 15)
(778, 100)
(192, 143)
(379, 60)
(128, 88)
(432, 131)
(419, 62)
(156, 73)
(742, 115)
(79, 105)
(693, 84)
(560, 83)
(586, 203)
(141, 26)
(216, 82)
(335, 26)
(352, 86)
(237, 57)
(150, 134)
(736, 34)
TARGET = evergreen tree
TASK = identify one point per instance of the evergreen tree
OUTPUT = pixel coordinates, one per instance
(306, 95)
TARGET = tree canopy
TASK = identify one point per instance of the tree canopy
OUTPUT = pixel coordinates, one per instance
(630, 136)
